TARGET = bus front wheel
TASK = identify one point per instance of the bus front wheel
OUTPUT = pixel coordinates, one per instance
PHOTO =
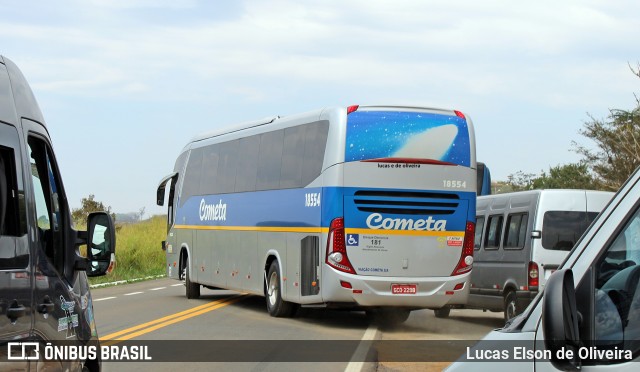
(276, 306)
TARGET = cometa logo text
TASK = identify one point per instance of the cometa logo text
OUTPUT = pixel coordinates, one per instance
(376, 221)
(213, 212)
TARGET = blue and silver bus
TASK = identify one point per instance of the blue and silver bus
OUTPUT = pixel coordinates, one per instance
(360, 207)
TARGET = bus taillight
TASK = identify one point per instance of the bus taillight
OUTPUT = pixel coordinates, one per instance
(466, 257)
(337, 248)
(351, 109)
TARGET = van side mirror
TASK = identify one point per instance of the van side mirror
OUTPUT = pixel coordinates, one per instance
(560, 319)
(101, 244)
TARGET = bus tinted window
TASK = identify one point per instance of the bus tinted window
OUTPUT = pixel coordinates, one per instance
(407, 134)
(247, 171)
(227, 165)
(209, 173)
(270, 160)
(315, 141)
(292, 157)
(562, 229)
(191, 185)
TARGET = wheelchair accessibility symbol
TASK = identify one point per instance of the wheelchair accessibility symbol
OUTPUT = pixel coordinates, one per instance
(353, 239)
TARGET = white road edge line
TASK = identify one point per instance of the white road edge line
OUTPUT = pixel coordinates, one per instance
(157, 289)
(357, 359)
(175, 285)
(102, 299)
(132, 293)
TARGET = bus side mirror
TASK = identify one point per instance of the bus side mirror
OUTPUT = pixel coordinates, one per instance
(101, 244)
(560, 320)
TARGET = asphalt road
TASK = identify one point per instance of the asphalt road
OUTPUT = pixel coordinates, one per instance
(236, 328)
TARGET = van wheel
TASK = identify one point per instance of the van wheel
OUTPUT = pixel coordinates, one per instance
(510, 309)
(193, 289)
(442, 312)
(276, 306)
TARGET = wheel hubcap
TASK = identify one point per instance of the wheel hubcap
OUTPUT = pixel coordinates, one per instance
(272, 289)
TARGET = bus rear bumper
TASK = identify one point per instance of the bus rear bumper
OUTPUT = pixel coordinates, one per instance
(367, 291)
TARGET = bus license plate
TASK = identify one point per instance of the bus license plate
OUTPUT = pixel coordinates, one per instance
(404, 288)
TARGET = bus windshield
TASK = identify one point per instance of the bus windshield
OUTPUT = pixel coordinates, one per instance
(407, 134)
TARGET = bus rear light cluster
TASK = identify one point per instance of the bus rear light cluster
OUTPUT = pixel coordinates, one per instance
(466, 257)
(337, 248)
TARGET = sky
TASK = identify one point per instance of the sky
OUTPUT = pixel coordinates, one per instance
(125, 84)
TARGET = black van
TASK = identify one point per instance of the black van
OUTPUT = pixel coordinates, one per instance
(44, 291)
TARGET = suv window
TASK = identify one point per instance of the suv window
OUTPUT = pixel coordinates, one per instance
(617, 296)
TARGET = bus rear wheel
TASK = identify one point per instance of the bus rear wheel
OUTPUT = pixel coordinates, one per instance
(276, 306)
(193, 289)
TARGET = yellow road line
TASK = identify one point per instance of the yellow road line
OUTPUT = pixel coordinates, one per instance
(153, 325)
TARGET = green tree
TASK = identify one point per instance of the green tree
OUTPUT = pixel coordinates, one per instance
(568, 176)
(617, 139)
(89, 205)
(521, 181)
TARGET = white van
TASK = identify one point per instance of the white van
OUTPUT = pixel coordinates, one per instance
(589, 315)
(521, 238)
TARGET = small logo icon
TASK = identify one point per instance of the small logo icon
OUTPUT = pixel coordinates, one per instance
(23, 351)
(353, 239)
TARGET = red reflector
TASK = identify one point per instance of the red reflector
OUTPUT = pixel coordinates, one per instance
(351, 109)
(459, 114)
(458, 286)
(533, 274)
(345, 284)
(449, 293)
(357, 291)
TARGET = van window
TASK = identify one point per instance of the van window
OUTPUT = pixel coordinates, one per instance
(494, 231)
(49, 213)
(516, 231)
(562, 229)
(14, 253)
(617, 296)
(478, 236)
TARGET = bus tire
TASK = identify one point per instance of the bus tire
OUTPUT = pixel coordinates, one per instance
(442, 312)
(510, 308)
(193, 289)
(276, 306)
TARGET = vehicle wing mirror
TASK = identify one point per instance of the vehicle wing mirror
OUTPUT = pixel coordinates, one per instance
(560, 319)
(101, 244)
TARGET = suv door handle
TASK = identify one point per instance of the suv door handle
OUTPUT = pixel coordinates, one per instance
(15, 311)
(46, 307)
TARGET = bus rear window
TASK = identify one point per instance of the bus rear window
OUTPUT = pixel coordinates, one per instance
(407, 134)
(562, 229)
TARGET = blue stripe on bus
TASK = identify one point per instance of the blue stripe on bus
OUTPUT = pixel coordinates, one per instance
(316, 207)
